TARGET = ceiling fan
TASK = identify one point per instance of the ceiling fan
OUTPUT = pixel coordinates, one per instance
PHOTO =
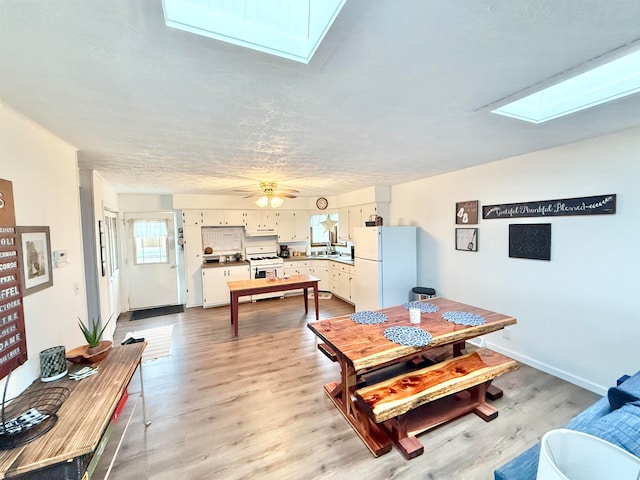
(270, 194)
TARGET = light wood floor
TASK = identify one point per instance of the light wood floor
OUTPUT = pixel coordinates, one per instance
(254, 407)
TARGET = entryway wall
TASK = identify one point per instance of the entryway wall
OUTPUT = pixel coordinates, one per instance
(43, 170)
(578, 313)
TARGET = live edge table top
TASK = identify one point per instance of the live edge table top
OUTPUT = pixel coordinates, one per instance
(365, 346)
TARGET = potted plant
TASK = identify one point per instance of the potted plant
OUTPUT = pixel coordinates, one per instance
(96, 349)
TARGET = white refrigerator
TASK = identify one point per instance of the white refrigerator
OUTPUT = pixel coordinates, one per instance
(386, 266)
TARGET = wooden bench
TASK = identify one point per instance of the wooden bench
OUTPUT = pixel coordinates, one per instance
(415, 401)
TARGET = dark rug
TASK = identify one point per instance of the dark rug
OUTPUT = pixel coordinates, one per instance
(156, 312)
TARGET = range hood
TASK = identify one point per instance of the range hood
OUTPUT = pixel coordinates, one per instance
(261, 232)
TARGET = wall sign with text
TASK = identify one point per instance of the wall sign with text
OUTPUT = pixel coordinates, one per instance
(467, 213)
(13, 341)
(597, 205)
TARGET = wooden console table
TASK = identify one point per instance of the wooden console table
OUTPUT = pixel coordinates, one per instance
(242, 288)
(67, 449)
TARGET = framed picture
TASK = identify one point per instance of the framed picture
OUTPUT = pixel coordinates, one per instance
(467, 213)
(34, 250)
(530, 240)
(467, 239)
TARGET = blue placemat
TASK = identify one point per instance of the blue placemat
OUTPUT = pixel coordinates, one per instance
(424, 307)
(410, 336)
(368, 318)
(464, 318)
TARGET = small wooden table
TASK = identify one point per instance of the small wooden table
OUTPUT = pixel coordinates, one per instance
(242, 288)
(361, 349)
(67, 449)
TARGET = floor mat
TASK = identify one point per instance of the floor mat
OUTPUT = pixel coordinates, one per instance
(158, 341)
(321, 295)
(156, 312)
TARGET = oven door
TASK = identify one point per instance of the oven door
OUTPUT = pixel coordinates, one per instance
(262, 271)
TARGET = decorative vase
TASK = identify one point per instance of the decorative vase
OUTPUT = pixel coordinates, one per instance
(86, 354)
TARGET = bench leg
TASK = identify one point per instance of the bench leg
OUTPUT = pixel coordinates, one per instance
(493, 393)
(409, 445)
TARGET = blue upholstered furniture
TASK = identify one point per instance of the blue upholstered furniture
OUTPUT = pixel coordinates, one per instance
(615, 418)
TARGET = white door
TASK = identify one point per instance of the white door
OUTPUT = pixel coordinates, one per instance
(151, 260)
(112, 247)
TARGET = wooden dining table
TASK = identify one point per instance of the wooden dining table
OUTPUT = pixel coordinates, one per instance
(362, 350)
(241, 288)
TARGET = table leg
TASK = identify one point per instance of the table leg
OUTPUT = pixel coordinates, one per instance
(306, 300)
(342, 394)
(144, 405)
(234, 314)
(315, 297)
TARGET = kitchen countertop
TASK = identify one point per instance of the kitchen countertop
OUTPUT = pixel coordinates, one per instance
(225, 264)
(346, 259)
(340, 259)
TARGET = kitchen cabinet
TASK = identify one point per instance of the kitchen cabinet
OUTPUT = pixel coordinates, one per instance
(212, 218)
(191, 217)
(260, 220)
(292, 226)
(320, 269)
(341, 279)
(343, 224)
(223, 218)
(215, 291)
(193, 264)
(297, 267)
(235, 218)
(355, 216)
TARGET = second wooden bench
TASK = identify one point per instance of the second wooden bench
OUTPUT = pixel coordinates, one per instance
(415, 401)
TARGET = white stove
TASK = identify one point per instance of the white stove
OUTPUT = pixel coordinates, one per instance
(262, 260)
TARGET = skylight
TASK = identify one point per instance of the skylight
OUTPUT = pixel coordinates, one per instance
(608, 82)
(290, 29)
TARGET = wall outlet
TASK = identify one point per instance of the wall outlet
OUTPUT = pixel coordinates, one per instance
(506, 333)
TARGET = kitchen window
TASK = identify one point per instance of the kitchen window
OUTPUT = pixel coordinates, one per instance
(324, 229)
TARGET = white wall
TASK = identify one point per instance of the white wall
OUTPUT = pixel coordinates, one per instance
(43, 170)
(578, 314)
(105, 197)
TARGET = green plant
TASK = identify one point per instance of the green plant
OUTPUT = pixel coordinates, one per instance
(92, 336)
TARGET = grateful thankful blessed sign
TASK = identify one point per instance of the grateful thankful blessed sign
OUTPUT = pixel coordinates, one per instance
(598, 205)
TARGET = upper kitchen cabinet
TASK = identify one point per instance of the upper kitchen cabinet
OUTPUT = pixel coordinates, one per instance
(191, 217)
(261, 221)
(223, 218)
(213, 218)
(292, 225)
(355, 216)
(235, 218)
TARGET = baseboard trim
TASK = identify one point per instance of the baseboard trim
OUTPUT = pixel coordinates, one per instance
(544, 367)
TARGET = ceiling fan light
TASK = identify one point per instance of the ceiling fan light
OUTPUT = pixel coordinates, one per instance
(275, 202)
(263, 201)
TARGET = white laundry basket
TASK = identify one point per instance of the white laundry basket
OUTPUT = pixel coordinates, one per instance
(570, 455)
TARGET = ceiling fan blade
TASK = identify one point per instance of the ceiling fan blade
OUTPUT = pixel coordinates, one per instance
(286, 195)
(251, 195)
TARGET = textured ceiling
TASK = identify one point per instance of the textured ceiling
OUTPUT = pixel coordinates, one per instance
(398, 90)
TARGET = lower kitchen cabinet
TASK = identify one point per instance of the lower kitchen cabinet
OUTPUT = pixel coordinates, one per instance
(341, 281)
(215, 291)
(320, 269)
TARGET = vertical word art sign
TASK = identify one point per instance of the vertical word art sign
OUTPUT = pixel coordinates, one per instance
(13, 343)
